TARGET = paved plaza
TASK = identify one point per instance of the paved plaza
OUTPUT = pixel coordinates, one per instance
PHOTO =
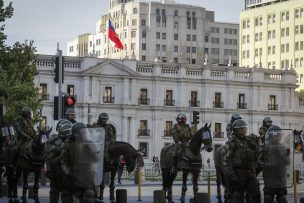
(148, 188)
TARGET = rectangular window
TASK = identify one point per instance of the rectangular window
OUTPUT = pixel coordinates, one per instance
(175, 48)
(188, 38)
(169, 98)
(193, 99)
(272, 103)
(175, 36)
(218, 131)
(176, 25)
(164, 47)
(207, 39)
(193, 50)
(143, 128)
(107, 97)
(157, 35)
(143, 58)
(143, 22)
(164, 35)
(169, 125)
(218, 100)
(157, 47)
(144, 148)
(71, 90)
(134, 22)
(133, 34)
(143, 34)
(43, 91)
(143, 46)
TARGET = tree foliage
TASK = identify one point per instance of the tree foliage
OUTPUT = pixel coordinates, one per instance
(17, 73)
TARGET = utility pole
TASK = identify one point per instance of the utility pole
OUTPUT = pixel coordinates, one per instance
(59, 54)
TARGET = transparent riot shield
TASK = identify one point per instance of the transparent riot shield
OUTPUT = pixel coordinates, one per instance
(87, 157)
(278, 158)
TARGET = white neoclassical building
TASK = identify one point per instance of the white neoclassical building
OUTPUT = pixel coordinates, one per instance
(143, 99)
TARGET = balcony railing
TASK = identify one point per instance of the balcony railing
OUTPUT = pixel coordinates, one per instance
(272, 107)
(108, 99)
(167, 133)
(144, 101)
(144, 132)
(242, 105)
(218, 134)
(44, 96)
(169, 102)
(218, 104)
(194, 103)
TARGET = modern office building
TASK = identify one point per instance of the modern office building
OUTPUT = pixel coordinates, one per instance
(272, 35)
(161, 31)
(143, 99)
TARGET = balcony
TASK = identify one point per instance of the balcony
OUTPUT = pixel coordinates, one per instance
(242, 105)
(194, 103)
(44, 96)
(218, 104)
(218, 134)
(144, 132)
(108, 99)
(144, 101)
(169, 102)
(167, 133)
(272, 107)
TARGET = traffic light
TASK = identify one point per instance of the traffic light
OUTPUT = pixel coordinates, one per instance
(195, 116)
(56, 79)
(68, 102)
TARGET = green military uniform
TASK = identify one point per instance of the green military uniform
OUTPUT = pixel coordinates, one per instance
(239, 165)
(181, 133)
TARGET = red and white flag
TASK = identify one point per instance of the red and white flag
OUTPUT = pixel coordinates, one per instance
(113, 36)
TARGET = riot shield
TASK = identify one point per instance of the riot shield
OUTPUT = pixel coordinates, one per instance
(278, 158)
(87, 157)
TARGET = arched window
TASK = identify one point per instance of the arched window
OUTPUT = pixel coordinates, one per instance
(135, 10)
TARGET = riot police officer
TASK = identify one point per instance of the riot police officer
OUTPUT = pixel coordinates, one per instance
(235, 116)
(70, 115)
(274, 159)
(181, 133)
(239, 166)
(55, 146)
(75, 172)
(110, 136)
(25, 132)
(267, 122)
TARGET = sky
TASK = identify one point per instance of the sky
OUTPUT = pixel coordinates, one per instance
(47, 22)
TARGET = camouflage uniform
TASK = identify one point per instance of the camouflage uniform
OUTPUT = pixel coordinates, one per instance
(239, 165)
(181, 133)
(55, 146)
(25, 132)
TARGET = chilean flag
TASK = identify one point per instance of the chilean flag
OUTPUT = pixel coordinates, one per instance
(113, 36)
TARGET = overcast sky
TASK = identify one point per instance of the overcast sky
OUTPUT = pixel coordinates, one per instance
(50, 21)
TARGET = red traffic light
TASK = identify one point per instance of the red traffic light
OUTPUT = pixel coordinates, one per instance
(70, 101)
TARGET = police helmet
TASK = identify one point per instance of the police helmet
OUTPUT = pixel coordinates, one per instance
(240, 123)
(26, 112)
(66, 129)
(70, 111)
(267, 119)
(77, 127)
(103, 116)
(235, 116)
(61, 122)
(274, 131)
(181, 116)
